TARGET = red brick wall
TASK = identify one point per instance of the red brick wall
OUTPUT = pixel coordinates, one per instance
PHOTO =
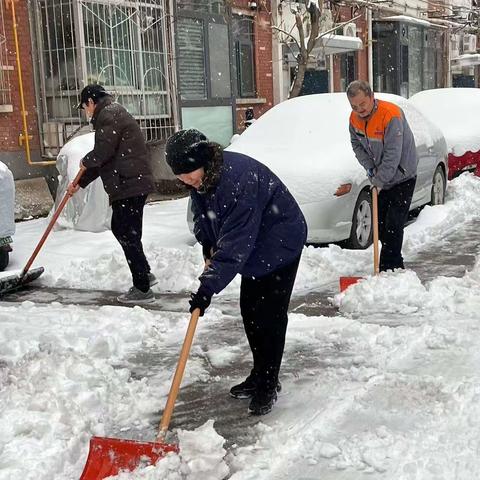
(361, 57)
(11, 125)
(263, 59)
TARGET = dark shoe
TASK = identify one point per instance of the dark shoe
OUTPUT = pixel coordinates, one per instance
(262, 402)
(152, 279)
(247, 388)
(136, 297)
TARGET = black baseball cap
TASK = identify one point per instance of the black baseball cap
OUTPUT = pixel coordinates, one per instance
(93, 91)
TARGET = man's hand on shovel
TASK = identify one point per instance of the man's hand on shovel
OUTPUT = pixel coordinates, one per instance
(74, 187)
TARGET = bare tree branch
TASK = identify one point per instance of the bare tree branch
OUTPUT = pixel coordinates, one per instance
(287, 34)
(301, 31)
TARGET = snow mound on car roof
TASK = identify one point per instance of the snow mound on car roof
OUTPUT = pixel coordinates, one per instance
(306, 142)
(455, 112)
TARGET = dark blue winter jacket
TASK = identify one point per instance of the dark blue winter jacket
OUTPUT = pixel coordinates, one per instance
(250, 220)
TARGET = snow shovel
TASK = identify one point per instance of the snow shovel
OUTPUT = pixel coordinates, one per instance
(108, 456)
(14, 282)
(345, 282)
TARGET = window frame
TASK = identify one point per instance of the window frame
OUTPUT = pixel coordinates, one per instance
(207, 18)
(238, 42)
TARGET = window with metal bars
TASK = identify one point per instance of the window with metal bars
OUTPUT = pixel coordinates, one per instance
(123, 45)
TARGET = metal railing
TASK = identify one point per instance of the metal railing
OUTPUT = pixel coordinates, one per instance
(124, 45)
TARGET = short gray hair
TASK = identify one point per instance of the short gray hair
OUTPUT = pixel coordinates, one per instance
(357, 86)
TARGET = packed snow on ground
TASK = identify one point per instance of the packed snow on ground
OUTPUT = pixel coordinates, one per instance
(95, 260)
(455, 112)
(387, 389)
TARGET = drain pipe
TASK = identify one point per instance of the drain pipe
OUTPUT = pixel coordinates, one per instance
(370, 47)
(24, 138)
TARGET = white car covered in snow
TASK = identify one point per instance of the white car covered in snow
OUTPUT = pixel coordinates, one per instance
(306, 142)
(7, 214)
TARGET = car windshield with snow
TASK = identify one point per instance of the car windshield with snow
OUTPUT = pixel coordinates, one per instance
(306, 142)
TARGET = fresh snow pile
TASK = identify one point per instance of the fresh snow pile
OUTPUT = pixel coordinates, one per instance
(403, 293)
(66, 375)
(200, 458)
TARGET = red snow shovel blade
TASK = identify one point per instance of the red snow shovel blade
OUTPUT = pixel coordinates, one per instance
(108, 456)
(345, 282)
(13, 282)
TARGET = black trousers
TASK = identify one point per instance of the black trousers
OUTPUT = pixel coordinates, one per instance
(264, 304)
(393, 207)
(127, 219)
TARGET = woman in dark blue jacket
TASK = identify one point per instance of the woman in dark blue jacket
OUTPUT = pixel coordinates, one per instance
(249, 224)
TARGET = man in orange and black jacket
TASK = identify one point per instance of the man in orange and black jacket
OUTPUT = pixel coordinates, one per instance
(384, 145)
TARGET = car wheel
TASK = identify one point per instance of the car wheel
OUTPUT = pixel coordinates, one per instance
(438, 187)
(361, 233)
(3, 259)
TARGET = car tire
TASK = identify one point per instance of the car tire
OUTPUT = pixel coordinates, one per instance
(439, 185)
(362, 223)
(3, 259)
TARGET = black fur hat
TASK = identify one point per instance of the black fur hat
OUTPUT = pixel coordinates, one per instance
(186, 151)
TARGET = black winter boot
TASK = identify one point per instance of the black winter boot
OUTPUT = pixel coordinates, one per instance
(248, 387)
(262, 402)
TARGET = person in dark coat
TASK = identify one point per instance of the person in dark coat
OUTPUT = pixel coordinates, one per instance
(120, 158)
(248, 223)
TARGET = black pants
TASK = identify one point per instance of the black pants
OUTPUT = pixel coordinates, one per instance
(393, 207)
(127, 218)
(264, 304)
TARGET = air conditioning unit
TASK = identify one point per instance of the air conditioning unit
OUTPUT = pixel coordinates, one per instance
(469, 43)
(455, 46)
(350, 30)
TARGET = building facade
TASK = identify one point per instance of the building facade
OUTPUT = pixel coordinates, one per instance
(173, 64)
(215, 65)
(405, 46)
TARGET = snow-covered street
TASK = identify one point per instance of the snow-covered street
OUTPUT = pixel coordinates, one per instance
(388, 388)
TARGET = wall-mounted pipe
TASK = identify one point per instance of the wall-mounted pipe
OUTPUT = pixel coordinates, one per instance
(24, 137)
(370, 47)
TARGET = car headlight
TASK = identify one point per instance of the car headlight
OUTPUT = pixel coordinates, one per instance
(343, 189)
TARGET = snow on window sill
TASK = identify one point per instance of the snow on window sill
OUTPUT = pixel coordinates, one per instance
(247, 101)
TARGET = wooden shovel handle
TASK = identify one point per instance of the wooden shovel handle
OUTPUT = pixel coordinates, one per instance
(375, 230)
(55, 216)
(177, 378)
